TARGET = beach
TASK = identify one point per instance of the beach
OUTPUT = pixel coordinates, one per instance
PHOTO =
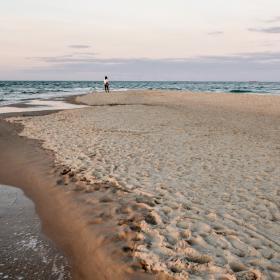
(162, 184)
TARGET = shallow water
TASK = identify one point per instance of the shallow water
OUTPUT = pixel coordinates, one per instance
(25, 253)
(39, 105)
(16, 91)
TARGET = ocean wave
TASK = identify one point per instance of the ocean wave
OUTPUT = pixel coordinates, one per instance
(240, 91)
(16, 91)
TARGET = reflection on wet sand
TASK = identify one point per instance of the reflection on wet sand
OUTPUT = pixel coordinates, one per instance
(25, 252)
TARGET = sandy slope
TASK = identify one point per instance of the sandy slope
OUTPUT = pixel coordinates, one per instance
(206, 166)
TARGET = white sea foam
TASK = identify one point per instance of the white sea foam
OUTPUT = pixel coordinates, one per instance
(40, 105)
(16, 91)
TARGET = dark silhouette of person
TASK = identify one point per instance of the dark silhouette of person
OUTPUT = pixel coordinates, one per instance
(106, 84)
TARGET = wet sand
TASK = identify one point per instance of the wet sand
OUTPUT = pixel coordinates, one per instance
(188, 183)
(25, 252)
(39, 105)
(94, 250)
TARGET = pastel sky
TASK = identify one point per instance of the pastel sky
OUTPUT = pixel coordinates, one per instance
(140, 40)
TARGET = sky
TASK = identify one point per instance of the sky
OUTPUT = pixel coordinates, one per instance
(219, 40)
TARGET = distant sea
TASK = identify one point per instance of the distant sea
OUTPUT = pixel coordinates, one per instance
(17, 91)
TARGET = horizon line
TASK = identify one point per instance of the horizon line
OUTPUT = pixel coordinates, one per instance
(101, 80)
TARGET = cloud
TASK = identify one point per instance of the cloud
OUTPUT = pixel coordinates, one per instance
(273, 20)
(215, 33)
(272, 30)
(79, 46)
(92, 59)
(261, 56)
(242, 66)
(68, 58)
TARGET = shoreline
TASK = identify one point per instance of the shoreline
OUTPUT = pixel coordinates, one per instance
(94, 252)
(25, 252)
(73, 99)
(208, 110)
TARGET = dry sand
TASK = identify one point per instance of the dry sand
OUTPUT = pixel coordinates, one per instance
(205, 167)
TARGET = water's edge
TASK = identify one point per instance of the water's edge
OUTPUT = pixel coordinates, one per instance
(16, 91)
(23, 163)
(26, 253)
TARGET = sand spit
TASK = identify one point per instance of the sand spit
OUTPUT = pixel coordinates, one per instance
(202, 169)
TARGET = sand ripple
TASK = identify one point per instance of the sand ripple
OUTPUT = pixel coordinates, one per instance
(210, 179)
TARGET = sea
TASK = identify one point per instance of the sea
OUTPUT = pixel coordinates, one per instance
(12, 92)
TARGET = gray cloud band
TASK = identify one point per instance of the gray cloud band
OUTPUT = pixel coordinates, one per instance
(79, 46)
(215, 33)
(90, 58)
(244, 66)
(272, 30)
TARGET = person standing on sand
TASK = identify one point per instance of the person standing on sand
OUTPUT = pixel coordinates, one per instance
(106, 84)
